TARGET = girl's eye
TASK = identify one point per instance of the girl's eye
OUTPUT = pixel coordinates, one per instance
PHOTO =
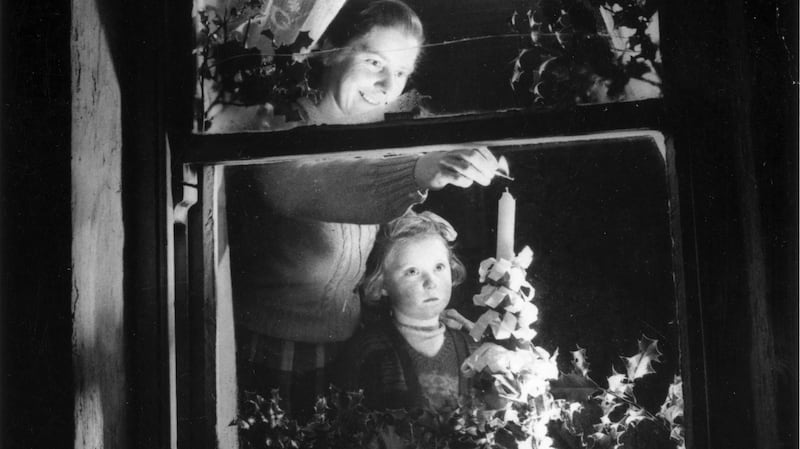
(412, 272)
(400, 74)
(374, 63)
(440, 267)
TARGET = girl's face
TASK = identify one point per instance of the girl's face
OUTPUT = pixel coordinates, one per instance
(417, 277)
(367, 75)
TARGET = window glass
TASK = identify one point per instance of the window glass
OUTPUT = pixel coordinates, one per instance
(276, 64)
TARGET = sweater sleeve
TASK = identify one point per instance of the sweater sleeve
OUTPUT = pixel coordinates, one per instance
(352, 190)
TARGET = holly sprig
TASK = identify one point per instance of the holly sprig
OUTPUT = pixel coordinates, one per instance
(230, 72)
(585, 51)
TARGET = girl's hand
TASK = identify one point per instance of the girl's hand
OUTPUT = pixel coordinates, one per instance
(457, 167)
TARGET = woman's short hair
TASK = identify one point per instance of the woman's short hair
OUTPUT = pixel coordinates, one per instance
(358, 17)
(408, 227)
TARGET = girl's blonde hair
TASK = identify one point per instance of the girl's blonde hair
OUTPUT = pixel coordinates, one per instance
(410, 226)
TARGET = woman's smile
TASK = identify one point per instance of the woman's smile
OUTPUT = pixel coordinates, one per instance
(374, 99)
(367, 75)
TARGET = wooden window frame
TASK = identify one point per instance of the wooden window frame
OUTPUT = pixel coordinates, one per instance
(199, 425)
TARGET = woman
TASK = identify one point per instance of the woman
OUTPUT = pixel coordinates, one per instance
(300, 231)
(362, 66)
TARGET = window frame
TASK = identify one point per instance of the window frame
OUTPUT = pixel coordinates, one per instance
(584, 119)
(202, 171)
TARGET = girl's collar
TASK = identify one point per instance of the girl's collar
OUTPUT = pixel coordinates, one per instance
(431, 328)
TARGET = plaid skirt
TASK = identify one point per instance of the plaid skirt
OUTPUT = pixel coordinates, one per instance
(301, 371)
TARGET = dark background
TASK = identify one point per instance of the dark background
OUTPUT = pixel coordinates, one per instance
(470, 76)
(36, 390)
(731, 74)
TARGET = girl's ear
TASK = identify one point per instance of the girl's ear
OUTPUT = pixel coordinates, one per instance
(373, 290)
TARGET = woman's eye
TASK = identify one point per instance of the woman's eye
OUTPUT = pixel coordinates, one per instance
(375, 63)
(440, 267)
(412, 272)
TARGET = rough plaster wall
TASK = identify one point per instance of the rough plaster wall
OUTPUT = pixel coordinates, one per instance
(97, 244)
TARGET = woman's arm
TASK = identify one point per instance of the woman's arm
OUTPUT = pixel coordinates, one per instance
(361, 191)
(370, 190)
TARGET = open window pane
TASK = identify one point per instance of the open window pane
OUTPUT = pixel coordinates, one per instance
(268, 65)
(596, 211)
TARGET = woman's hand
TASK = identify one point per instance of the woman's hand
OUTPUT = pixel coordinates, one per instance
(457, 167)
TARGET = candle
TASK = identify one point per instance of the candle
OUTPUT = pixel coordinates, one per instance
(506, 208)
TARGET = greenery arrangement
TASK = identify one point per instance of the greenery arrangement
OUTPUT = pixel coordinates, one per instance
(574, 413)
(587, 51)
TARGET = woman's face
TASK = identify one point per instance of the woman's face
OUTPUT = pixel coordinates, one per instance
(370, 73)
(417, 277)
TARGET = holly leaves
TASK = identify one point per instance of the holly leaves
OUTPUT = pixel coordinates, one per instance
(581, 52)
(641, 363)
(575, 413)
(576, 385)
(579, 361)
(234, 70)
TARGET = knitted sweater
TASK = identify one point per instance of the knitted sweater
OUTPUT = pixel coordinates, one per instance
(300, 233)
(380, 361)
(438, 375)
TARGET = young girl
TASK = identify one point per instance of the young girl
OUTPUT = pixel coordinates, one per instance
(408, 358)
